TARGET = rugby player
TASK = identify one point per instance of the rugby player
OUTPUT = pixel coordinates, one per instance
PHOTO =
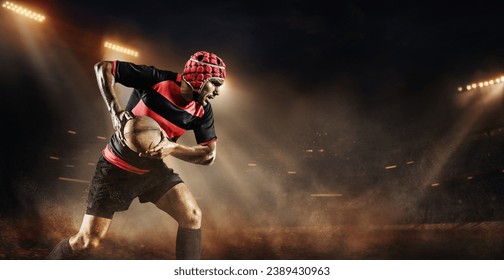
(178, 102)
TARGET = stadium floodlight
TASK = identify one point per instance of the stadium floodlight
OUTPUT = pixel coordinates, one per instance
(23, 11)
(482, 84)
(121, 49)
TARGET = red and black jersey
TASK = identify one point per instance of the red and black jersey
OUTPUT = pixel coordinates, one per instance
(157, 95)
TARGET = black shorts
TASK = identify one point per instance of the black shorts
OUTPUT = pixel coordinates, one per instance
(113, 189)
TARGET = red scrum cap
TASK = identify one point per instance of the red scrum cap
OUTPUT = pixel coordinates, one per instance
(201, 67)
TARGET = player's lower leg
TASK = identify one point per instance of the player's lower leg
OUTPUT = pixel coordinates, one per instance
(188, 244)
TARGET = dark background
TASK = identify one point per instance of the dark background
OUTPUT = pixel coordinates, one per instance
(321, 98)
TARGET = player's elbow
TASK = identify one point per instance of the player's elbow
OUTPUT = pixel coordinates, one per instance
(209, 153)
(103, 66)
(209, 158)
(209, 162)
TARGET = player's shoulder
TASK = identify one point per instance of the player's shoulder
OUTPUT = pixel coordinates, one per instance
(148, 68)
(207, 108)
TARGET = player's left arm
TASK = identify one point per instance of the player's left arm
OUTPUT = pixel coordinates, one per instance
(199, 154)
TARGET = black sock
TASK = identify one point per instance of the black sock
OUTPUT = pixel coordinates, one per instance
(61, 251)
(188, 246)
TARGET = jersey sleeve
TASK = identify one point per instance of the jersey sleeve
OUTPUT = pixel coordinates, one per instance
(204, 130)
(139, 76)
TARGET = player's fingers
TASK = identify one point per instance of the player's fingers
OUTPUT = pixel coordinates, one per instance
(159, 147)
(128, 116)
(121, 138)
(150, 154)
(154, 150)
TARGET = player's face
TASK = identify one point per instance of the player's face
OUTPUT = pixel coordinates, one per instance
(210, 90)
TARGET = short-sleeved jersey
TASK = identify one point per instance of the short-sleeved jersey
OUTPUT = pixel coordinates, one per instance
(157, 94)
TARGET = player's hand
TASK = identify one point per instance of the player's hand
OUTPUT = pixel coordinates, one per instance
(119, 120)
(161, 150)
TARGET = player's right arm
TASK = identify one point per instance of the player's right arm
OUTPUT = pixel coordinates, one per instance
(106, 81)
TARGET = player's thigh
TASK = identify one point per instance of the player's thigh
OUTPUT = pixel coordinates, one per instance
(179, 202)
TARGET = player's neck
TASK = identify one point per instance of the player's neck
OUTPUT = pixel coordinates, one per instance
(186, 92)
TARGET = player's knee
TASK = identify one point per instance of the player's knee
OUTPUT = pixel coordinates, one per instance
(192, 218)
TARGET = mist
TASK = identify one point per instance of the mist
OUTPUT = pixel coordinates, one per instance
(330, 163)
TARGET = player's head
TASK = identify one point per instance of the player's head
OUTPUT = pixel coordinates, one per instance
(201, 68)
